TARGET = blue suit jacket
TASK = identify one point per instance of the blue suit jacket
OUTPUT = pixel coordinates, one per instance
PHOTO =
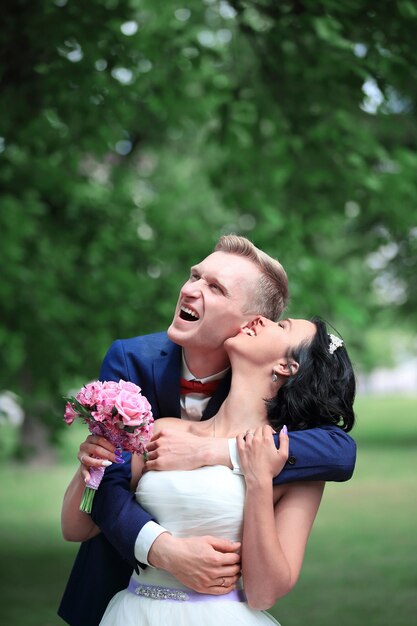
(104, 564)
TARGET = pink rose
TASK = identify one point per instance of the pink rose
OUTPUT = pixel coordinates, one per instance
(128, 386)
(70, 414)
(132, 408)
(108, 395)
(110, 384)
(105, 401)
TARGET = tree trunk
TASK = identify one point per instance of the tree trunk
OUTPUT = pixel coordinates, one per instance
(34, 446)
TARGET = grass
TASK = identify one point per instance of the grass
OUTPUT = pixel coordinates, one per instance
(35, 560)
(360, 564)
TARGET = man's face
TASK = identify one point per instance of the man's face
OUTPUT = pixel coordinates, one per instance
(210, 305)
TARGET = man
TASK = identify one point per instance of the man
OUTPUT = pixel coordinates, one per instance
(222, 294)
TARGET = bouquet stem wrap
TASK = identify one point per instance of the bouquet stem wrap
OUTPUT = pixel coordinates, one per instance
(96, 474)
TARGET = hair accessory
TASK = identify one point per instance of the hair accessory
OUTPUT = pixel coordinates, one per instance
(274, 377)
(335, 343)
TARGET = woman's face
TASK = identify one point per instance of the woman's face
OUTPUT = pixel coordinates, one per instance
(264, 341)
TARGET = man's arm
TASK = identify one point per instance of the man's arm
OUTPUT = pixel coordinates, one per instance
(117, 513)
(326, 453)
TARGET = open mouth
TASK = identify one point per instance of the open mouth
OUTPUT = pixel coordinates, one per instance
(188, 314)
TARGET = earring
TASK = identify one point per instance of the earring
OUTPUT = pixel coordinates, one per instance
(274, 377)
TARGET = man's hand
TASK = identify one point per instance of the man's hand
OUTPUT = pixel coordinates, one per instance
(174, 449)
(96, 451)
(205, 564)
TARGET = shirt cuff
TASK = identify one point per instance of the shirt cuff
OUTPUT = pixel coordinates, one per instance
(234, 456)
(149, 532)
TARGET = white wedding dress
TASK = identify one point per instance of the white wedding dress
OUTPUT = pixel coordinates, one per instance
(206, 501)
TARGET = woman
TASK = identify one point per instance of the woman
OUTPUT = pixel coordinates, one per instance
(288, 375)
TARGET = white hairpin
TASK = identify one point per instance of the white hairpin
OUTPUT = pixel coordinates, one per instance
(335, 343)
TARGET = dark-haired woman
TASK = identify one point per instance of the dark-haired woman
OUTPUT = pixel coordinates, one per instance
(286, 376)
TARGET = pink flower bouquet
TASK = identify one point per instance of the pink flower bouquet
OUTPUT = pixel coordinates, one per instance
(116, 411)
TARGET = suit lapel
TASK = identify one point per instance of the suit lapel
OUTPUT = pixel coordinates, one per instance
(166, 375)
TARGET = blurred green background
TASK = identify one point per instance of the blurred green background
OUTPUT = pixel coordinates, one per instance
(133, 133)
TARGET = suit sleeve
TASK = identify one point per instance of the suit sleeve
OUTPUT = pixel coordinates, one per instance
(326, 453)
(115, 366)
(115, 509)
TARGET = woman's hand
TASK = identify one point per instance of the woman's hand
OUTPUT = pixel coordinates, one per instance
(96, 451)
(260, 460)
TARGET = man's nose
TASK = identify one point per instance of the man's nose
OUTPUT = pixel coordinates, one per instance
(192, 288)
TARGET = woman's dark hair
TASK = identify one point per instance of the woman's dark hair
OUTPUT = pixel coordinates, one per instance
(321, 392)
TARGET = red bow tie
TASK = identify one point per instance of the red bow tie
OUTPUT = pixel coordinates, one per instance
(195, 386)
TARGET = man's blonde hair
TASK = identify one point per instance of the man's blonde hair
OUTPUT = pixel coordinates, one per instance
(271, 295)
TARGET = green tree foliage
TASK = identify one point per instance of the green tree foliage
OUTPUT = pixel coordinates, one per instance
(134, 132)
